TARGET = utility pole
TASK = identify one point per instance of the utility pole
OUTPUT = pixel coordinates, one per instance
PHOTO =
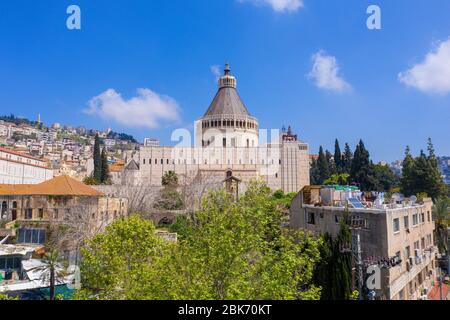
(357, 257)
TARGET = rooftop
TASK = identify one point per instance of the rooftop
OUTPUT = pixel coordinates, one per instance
(58, 186)
(341, 197)
(227, 100)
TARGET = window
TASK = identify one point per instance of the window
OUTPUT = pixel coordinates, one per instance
(32, 236)
(423, 217)
(423, 243)
(29, 214)
(406, 221)
(430, 239)
(336, 218)
(224, 142)
(8, 263)
(41, 213)
(429, 216)
(143, 161)
(311, 218)
(415, 219)
(55, 214)
(398, 256)
(396, 225)
(407, 252)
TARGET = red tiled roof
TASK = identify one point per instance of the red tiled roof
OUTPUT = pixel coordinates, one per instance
(435, 293)
(59, 186)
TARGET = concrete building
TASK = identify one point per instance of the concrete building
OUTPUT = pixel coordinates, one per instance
(227, 143)
(21, 168)
(396, 234)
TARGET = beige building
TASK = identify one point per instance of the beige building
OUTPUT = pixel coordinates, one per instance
(227, 143)
(396, 235)
(31, 208)
(21, 168)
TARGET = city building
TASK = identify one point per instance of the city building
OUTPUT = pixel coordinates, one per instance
(396, 234)
(26, 210)
(20, 168)
(151, 142)
(227, 143)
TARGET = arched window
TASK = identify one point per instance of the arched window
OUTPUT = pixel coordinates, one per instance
(4, 209)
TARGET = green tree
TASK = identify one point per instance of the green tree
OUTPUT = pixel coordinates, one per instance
(232, 251)
(347, 159)
(323, 166)
(441, 214)
(104, 176)
(314, 173)
(331, 164)
(361, 171)
(385, 178)
(124, 262)
(97, 159)
(52, 270)
(337, 156)
(334, 271)
(170, 178)
(91, 181)
(169, 197)
(406, 181)
(338, 179)
(422, 175)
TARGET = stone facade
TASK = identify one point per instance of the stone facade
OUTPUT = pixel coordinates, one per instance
(403, 231)
(227, 142)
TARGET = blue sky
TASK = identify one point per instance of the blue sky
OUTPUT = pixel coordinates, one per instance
(168, 48)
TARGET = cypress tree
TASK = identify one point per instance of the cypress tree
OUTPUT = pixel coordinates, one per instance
(322, 164)
(337, 156)
(104, 167)
(331, 165)
(314, 173)
(362, 169)
(406, 181)
(97, 160)
(347, 159)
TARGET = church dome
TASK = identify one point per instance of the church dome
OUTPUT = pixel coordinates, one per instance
(227, 100)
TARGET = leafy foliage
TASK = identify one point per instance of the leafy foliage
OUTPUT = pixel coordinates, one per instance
(441, 214)
(421, 174)
(231, 251)
(334, 272)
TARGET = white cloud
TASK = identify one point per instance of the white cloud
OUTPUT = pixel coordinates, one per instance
(433, 74)
(215, 69)
(280, 5)
(146, 110)
(325, 73)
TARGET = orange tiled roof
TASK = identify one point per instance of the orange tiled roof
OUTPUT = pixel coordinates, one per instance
(116, 167)
(58, 186)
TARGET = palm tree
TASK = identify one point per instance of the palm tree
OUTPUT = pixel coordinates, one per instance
(441, 214)
(51, 270)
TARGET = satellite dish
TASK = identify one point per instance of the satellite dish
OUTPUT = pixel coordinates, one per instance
(413, 199)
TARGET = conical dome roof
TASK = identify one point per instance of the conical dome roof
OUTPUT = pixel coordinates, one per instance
(227, 100)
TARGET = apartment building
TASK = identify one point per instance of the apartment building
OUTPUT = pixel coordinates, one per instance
(21, 168)
(396, 234)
